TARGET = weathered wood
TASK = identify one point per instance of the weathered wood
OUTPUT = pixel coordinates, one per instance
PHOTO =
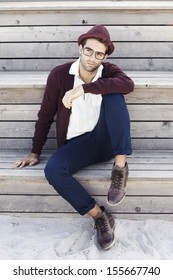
(37, 79)
(46, 64)
(96, 178)
(130, 216)
(77, 5)
(150, 129)
(137, 144)
(19, 112)
(133, 16)
(110, 17)
(148, 82)
(139, 112)
(26, 143)
(151, 112)
(71, 33)
(70, 50)
(35, 95)
(151, 143)
(151, 156)
(150, 186)
(150, 95)
(21, 95)
(38, 36)
(55, 204)
(21, 129)
(140, 159)
(93, 175)
(150, 108)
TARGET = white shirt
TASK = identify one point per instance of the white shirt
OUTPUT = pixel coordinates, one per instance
(85, 112)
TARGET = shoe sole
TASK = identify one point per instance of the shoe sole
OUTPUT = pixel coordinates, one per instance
(110, 245)
(113, 242)
(115, 204)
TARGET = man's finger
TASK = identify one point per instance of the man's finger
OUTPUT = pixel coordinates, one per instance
(23, 163)
(33, 162)
(17, 164)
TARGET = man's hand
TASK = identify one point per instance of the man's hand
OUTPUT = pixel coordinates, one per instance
(30, 160)
(72, 94)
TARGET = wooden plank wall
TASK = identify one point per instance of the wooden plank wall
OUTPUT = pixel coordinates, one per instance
(150, 107)
(149, 192)
(39, 38)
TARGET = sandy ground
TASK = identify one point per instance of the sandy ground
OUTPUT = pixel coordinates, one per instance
(67, 238)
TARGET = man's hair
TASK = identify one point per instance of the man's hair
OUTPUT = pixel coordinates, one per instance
(83, 43)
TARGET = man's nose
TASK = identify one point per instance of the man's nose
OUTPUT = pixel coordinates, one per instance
(93, 56)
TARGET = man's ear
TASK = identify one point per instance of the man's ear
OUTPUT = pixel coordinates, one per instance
(80, 49)
(105, 56)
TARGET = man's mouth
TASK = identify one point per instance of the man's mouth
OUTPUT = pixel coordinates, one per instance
(90, 64)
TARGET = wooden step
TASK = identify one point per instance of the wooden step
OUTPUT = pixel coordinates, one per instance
(86, 5)
(150, 186)
(38, 35)
(150, 108)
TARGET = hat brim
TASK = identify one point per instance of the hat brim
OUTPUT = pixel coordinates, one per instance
(87, 36)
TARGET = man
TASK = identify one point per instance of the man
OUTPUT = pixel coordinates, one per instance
(92, 126)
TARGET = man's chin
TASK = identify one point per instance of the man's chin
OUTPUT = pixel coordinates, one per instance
(91, 68)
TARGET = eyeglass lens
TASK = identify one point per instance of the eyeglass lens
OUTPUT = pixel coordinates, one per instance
(89, 52)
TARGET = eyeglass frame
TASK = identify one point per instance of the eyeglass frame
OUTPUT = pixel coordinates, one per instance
(92, 51)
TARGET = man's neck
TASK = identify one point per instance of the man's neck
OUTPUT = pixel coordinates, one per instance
(86, 76)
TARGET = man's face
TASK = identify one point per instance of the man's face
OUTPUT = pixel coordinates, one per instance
(90, 53)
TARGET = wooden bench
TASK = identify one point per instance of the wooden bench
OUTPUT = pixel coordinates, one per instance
(150, 187)
(38, 36)
(35, 37)
(150, 107)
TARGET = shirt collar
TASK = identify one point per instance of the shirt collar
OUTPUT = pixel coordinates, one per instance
(74, 69)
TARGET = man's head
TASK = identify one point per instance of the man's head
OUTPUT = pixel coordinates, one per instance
(94, 47)
(99, 33)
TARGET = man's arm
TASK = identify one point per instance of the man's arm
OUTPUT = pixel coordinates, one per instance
(113, 80)
(30, 160)
(71, 95)
(45, 118)
(46, 113)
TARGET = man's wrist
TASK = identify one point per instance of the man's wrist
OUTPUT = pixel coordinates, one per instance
(35, 155)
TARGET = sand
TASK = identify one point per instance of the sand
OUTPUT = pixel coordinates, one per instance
(24, 238)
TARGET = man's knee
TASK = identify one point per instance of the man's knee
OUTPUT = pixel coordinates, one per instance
(114, 99)
(55, 172)
(115, 104)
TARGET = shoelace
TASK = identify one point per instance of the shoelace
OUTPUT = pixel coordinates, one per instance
(102, 225)
(117, 177)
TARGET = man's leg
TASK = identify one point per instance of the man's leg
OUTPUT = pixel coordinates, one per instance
(100, 145)
(118, 123)
(112, 139)
(76, 154)
(114, 126)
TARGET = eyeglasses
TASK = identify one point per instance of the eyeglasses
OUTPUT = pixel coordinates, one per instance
(89, 52)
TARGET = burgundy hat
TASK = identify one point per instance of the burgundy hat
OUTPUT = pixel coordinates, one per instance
(98, 31)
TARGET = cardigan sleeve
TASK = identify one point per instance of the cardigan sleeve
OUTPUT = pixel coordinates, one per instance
(46, 113)
(113, 80)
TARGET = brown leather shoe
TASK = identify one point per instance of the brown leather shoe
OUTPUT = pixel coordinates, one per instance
(117, 190)
(105, 225)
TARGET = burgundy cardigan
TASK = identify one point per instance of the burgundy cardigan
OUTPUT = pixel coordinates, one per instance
(59, 81)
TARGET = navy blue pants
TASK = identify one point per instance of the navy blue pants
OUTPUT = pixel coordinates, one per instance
(110, 137)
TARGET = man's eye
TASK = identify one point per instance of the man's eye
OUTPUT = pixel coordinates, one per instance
(88, 50)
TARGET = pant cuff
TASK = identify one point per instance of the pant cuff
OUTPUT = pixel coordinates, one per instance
(123, 152)
(88, 208)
